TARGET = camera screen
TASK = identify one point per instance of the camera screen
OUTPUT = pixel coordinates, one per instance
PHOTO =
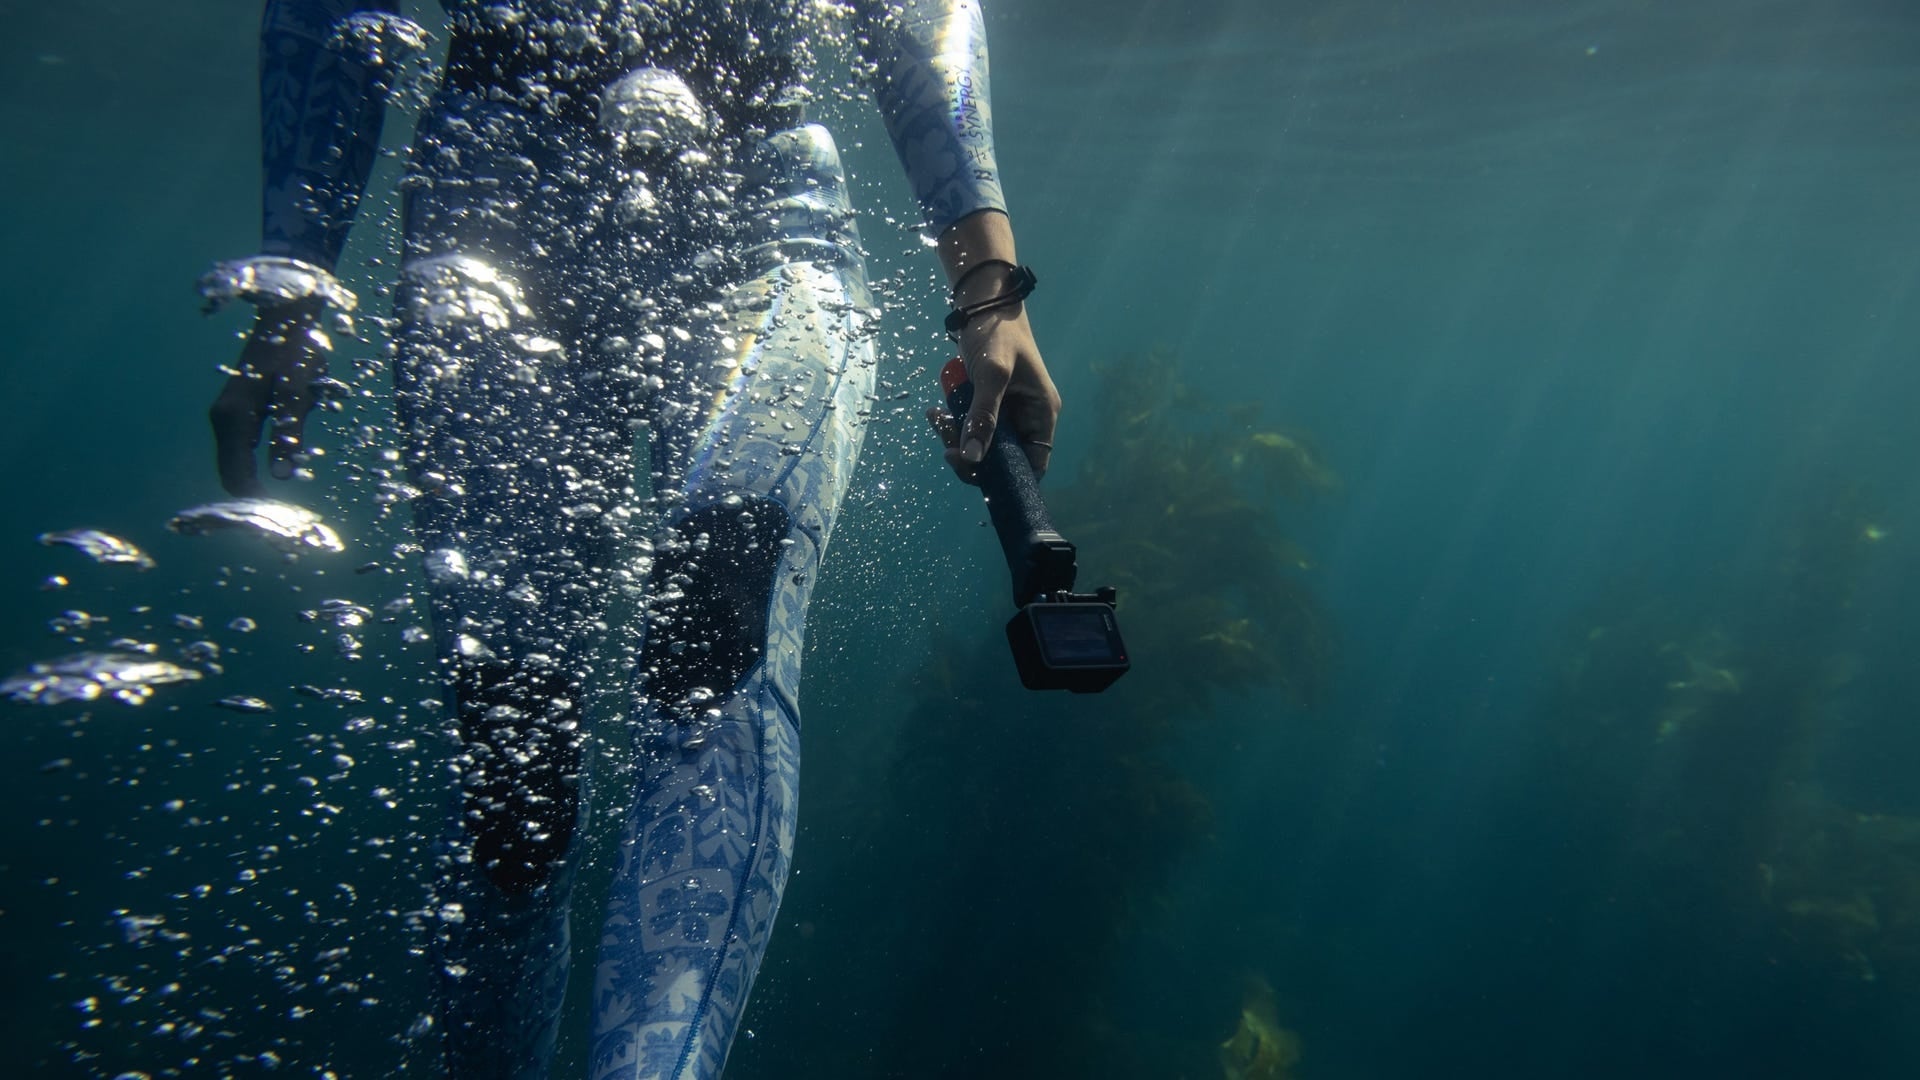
(1076, 634)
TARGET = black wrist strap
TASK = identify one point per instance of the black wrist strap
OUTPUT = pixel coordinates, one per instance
(1019, 286)
(961, 285)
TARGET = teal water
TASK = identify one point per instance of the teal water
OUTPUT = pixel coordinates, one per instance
(1604, 315)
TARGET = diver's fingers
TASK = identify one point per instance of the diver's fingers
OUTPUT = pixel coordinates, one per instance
(1039, 453)
(945, 426)
(964, 469)
(1034, 413)
(300, 384)
(990, 375)
(948, 428)
(293, 399)
(236, 416)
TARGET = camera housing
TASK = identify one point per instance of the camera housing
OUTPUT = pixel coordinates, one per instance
(1069, 642)
(1061, 640)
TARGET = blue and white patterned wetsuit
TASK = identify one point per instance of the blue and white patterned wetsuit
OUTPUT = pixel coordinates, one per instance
(616, 220)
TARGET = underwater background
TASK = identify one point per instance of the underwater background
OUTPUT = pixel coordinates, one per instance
(1497, 416)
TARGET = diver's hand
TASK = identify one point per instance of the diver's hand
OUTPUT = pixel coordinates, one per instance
(1010, 382)
(282, 376)
(1010, 385)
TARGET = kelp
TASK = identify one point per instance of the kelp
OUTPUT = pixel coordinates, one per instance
(1180, 503)
(1259, 1048)
(1694, 744)
(1034, 834)
(1844, 886)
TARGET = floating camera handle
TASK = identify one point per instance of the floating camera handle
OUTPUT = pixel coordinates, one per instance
(1061, 640)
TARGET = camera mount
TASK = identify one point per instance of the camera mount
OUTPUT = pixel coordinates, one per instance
(1061, 639)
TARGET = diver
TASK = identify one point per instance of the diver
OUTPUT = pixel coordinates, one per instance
(619, 223)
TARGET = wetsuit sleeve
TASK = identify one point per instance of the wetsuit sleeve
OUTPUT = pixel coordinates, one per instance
(928, 60)
(323, 92)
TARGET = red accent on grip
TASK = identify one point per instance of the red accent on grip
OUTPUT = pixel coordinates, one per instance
(953, 376)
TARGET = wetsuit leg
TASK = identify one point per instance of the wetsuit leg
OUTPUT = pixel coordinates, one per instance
(520, 461)
(754, 451)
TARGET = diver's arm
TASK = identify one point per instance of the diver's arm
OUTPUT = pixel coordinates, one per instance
(928, 63)
(1010, 380)
(928, 60)
(326, 69)
(324, 81)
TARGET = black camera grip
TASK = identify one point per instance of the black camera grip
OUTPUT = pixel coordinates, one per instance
(1040, 560)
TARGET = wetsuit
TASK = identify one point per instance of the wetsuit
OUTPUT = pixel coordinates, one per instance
(616, 221)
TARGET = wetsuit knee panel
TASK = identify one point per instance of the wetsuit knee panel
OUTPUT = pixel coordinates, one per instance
(712, 588)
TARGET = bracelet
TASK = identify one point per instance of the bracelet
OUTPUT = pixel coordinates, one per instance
(1019, 287)
(960, 285)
